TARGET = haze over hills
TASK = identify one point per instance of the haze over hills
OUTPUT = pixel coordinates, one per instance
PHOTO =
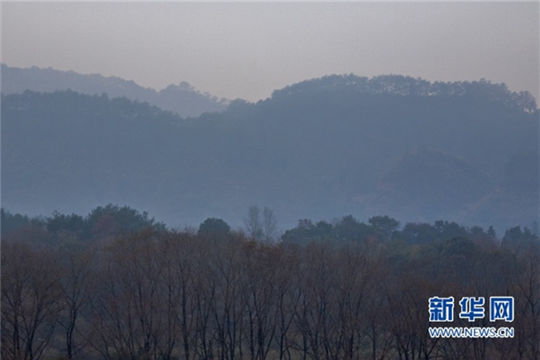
(322, 148)
(181, 98)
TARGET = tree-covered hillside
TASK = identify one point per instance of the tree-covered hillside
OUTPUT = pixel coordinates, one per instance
(181, 98)
(415, 150)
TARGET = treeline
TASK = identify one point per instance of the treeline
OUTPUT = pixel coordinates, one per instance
(407, 86)
(116, 284)
(180, 98)
(102, 223)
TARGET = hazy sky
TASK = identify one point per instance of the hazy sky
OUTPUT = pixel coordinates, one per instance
(248, 49)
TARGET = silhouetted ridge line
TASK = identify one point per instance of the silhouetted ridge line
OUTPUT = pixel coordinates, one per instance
(409, 86)
(181, 98)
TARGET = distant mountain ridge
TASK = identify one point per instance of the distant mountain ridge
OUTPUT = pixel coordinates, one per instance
(182, 98)
(321, 149)
(409, 86)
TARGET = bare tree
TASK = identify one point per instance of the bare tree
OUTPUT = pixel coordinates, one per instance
(253, 223)
(31, 301)
(261, 226)
(76, 269)
(269, 225)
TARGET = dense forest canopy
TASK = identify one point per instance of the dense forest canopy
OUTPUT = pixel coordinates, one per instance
(418, 151)
(116, 284)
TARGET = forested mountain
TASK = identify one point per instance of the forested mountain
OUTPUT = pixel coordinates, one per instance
(181, 98)
(404, 147)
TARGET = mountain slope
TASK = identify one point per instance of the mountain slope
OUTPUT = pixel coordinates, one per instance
(318, 149)
(182, 99)
(426, 183)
